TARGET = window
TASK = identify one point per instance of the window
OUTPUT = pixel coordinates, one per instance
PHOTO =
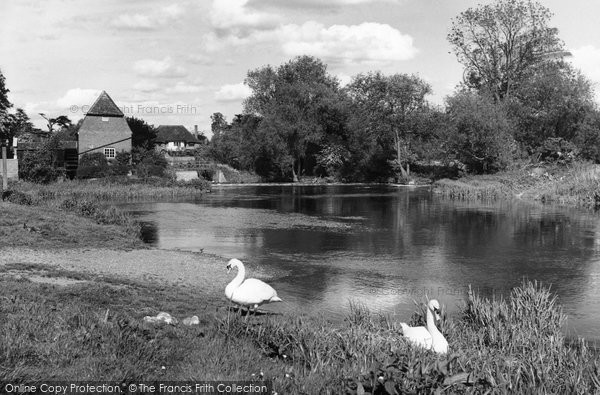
(109, 153)
(104, 119)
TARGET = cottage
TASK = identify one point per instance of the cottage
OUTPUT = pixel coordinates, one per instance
(174, 138)
(104, 129)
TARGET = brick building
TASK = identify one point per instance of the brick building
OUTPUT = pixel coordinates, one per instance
(104, 129)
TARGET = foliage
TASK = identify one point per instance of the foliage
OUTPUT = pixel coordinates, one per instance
(92, 165)
(289, 100)
(142, 134)
(62, 121)
(389, 106)
(480, 134)
(39, 166)
(148, 163)
(551, 103)
(559, 150)
(499, 44)
(121, 165)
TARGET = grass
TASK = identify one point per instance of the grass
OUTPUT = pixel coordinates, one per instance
(577, 184)
(497, 346)
(88, 199)
(55, 228)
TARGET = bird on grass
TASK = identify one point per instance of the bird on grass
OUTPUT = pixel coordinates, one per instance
(30, 228)
(248, 292)
(428, 337)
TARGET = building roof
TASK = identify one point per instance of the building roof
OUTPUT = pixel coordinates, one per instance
(104, 106)
(167, 133)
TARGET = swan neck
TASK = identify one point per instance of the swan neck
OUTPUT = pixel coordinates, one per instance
(241, 274)
(431, 322)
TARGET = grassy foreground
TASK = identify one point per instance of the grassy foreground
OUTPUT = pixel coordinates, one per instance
(577, 185)
(95, 330)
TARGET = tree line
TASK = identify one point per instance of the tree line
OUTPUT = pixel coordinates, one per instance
(520, 99)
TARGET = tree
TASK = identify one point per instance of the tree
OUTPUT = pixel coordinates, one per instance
(5, 104)
(15, 125)
(388, 106)
(499, 44)
(551, 103)
(142, 134)
(480, 132)
(62, 120)
(289, 100)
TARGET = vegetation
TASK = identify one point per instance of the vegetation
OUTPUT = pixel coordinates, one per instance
(575, 184)
(497, 346)
(518, 97)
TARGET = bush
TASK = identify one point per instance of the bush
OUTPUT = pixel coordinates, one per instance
(480, 134)
(559, 150)
(39, 166)
(92, 165)
(120, 166)
(149, 163)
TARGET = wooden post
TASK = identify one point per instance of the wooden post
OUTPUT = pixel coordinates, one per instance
(4, 170)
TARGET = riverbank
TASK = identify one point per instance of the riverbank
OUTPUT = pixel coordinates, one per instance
(76, 310)
(574, 185)
(79, 314)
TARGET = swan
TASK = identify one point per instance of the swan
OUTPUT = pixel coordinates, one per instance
(427, 337)
(248, 292)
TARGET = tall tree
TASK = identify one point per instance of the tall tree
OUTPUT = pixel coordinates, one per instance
(5, 104)
(388, 105)
(289, 100)
(500, 43)
(142, 134)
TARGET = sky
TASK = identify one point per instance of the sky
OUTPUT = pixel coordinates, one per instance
(178, 62)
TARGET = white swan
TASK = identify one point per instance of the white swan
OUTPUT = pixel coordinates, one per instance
(430, 338)
(250, 292)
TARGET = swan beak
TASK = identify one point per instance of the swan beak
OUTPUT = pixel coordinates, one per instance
(228, 268)
(438, 316)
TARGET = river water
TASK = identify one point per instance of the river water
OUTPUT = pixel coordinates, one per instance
(321, 247)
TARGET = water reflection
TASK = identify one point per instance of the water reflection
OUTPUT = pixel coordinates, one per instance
(386, 247)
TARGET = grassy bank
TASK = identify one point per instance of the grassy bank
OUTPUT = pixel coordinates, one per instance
(577, 184)
(46, 216)
(95, 330)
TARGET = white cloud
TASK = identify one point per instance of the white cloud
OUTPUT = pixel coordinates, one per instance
(369, 43)
(78, 97)
(235, 17)
(146, 86)
(183, 87)
(151, 21)
(233, 92)
(587, 59)
(344, 79)
(159, 68)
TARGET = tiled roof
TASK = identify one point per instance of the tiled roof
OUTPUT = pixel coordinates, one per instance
(104, 106)
(167, 133)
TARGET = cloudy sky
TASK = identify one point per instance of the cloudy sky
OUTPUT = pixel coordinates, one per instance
(177, 62)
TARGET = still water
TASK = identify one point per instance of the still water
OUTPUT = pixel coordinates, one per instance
(384, 246)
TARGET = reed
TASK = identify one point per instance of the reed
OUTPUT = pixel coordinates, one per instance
(577, 184)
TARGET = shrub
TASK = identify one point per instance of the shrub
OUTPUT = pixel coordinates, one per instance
(120, 166)
(40, 166)
(559, 150)
(149, 163)
(480, 134)
(92, 165)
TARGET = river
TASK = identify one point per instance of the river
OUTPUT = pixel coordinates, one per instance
(385, 246)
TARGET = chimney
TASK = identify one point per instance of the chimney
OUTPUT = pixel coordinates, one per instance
(196, 130)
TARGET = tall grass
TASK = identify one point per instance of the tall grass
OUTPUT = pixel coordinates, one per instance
(497, 346)
(577, 184)
(580, 186)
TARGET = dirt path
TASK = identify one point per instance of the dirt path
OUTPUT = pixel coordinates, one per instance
(203, 271)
